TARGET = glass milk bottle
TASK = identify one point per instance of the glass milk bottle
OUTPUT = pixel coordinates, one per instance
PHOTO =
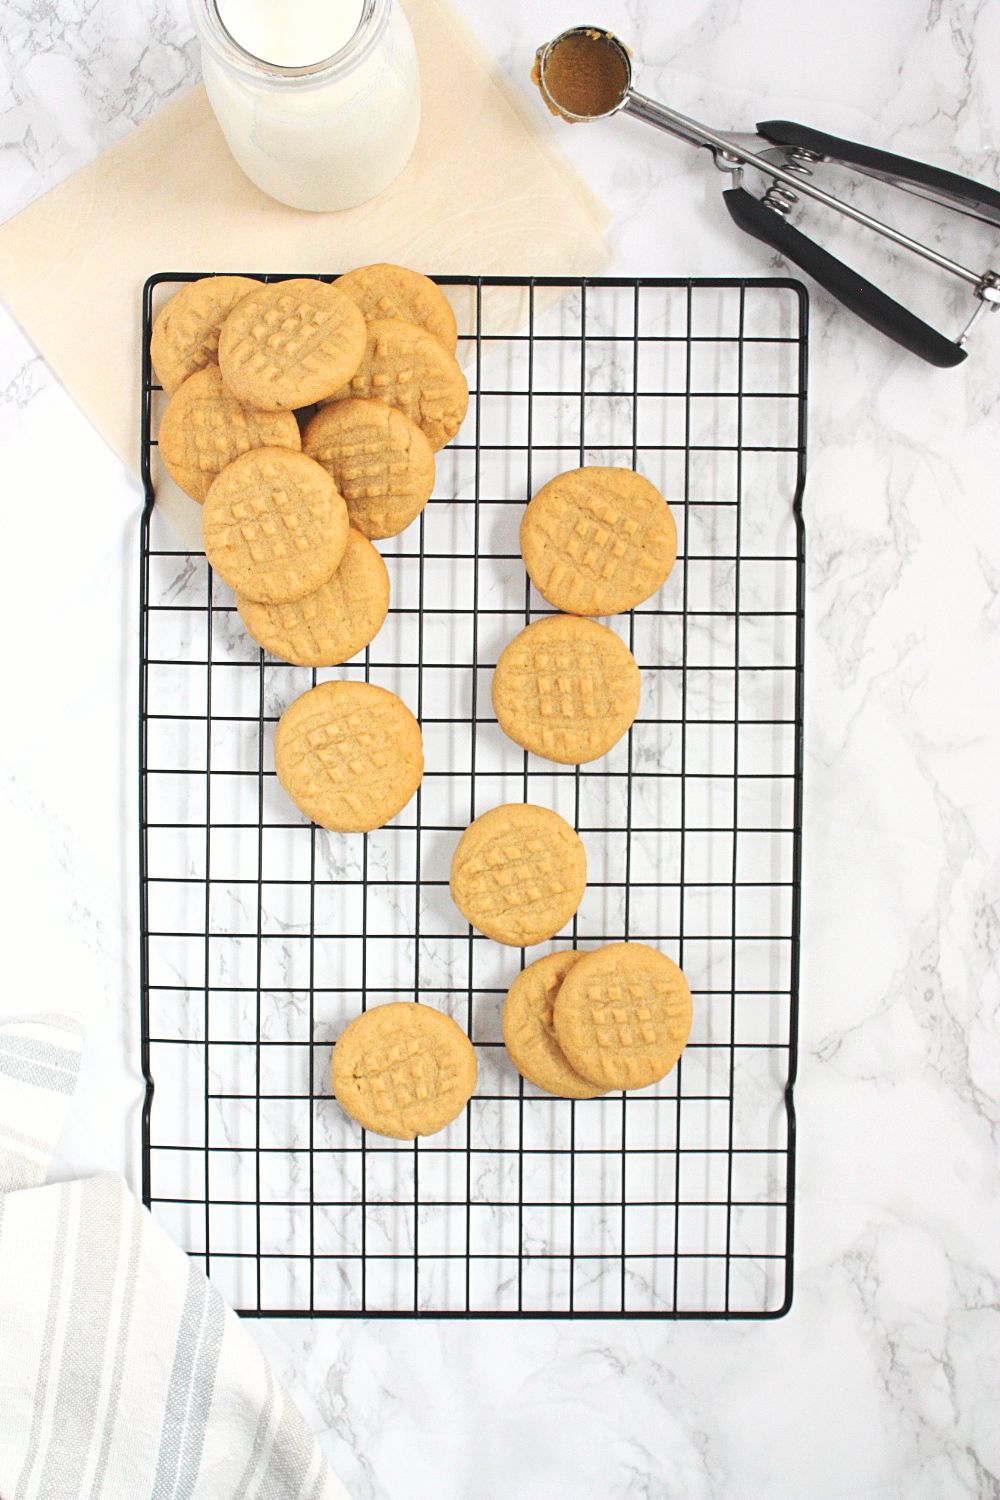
(319, 100)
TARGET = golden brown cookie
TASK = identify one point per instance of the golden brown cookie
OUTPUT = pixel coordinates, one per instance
(185, 335)
(528, 1032)
(291, 343)
(332, 624)
(387, 291)
(408, 369)
(566, 688)
(622, 1015)
(518, 873)
(597, 541)
(349, 754)
(379, 460)
(403, 1070)
(273, 525)
(205, 427)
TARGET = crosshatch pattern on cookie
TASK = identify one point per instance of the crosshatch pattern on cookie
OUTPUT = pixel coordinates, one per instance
(346, 754)
(407, 368)
(511, 877)
(570, 693)
(290, 336)
(200, 340)
(217, 435)
(403, 1073)
(378, 458)
(623, 1016)
(598, 540)
(205, 427)
(186, 333)
(387, 291)
(403, 1070)
(349, 754)
(565, 685)
(273, 529)
(519, 873)
(334, 622)
(291, 343)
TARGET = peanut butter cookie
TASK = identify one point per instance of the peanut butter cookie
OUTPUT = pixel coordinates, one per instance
(566, 689)
(528, 1032)
(379, 460)
(274, 526)
(403, 1070)
(204, 427)
(597, 541)
(185, 336)
(518, 873)
(387, 291)
(349, 754)
(291, 343)
(407, 368)
(332, 624)
(622, 1015)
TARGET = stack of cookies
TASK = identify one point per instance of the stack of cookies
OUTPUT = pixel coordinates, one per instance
(578, 1024)
(304, 418)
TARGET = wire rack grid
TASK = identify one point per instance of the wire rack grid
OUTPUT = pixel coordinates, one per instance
(262, 935)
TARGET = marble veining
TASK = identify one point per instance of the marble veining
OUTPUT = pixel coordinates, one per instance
(883, 1380)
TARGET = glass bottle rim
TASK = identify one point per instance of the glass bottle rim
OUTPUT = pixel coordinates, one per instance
(213, 33)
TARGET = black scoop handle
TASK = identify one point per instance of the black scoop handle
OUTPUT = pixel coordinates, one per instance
(867, 301)
(960, 192)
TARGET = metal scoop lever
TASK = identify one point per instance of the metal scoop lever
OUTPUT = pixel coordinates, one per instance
(586, 74)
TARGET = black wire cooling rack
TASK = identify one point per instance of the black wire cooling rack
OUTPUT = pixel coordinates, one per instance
(263, 935)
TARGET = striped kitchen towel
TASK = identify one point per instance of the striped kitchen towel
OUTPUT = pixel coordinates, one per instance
(123, 1374)
(39, 1064)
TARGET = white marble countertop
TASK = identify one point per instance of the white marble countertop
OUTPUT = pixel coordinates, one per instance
(882, 1381)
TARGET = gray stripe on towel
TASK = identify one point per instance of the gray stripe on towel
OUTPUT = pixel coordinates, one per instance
(75, 1415)
(35, 1074)
(45, 1360)
(175, 1408)
(125, 1323)
(290, 1459)
(42, 1052)
(262, 1428)
(202, 1391)
(192, 1385)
